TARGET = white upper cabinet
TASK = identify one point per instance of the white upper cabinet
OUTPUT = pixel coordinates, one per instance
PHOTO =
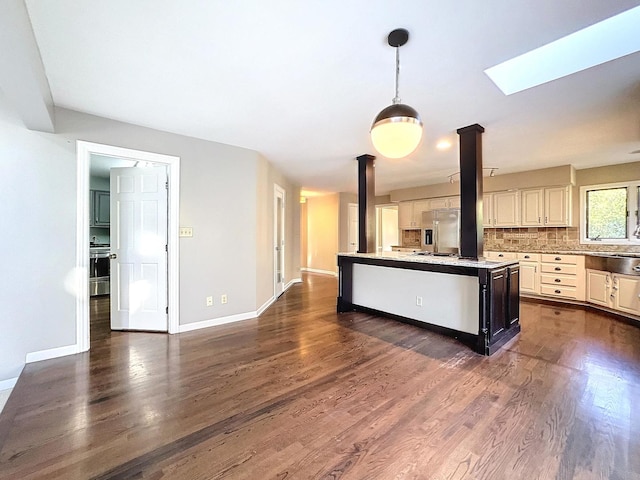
(487, 210)
(549, 207)
(410, 213)
(532, 202)
(454, 202)
(419, 206)
(436, 203)
(557, 206)
(405, 214)
(444, 202)
(506, 209)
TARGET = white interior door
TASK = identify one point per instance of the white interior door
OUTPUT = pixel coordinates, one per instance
(139, 248)
(353, 228)
(278, 240)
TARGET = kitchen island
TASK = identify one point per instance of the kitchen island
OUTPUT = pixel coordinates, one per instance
(475, 301)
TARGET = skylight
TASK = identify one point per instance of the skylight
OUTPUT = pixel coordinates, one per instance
(602, 42)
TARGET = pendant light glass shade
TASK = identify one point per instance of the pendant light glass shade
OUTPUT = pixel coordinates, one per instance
(396, 131)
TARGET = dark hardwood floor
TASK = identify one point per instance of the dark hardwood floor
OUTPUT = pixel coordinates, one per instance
(303, 393)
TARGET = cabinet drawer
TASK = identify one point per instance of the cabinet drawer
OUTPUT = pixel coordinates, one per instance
(504, 255)
(557, 291)
(559, 268)
(529, 257)
(559, 258)
(563, 280)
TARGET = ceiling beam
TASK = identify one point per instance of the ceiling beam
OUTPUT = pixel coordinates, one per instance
(22, 76)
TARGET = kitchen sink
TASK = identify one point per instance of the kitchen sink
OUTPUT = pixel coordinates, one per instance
(614, 263)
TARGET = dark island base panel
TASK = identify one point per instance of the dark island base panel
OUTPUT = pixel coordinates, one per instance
(498, 295)
(477, 343)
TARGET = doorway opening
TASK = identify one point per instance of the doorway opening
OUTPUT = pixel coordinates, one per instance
(386, 227)
(87, 153)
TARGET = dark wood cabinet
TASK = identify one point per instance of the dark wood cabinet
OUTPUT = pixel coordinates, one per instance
(501, 307)
(498, 306)
(100, 208)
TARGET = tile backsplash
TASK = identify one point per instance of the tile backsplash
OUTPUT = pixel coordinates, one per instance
(544, 238)
(411, 238)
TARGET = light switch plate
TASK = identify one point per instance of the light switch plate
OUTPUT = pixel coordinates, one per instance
(186, 231)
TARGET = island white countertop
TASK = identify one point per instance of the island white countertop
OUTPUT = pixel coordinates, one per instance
(433, 260)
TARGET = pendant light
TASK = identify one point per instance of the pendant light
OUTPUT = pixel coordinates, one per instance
(397, 130)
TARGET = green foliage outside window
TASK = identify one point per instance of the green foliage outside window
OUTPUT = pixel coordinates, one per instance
(607, 213)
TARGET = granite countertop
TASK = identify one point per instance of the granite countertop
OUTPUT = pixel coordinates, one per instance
(570, 252)
(434, 260)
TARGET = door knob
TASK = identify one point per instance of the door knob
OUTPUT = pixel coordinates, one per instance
(113, 256)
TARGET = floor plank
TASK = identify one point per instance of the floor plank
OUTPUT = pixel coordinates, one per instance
(303, 392)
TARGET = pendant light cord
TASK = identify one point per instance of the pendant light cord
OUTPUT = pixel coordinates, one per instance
(396, 99)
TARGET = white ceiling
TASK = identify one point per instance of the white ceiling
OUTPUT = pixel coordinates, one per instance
(301, 82)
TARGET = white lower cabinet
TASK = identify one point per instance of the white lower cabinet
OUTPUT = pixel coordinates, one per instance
(529, 272)
(614, 290)
(626, 292)
(562, 276)
(598, 287)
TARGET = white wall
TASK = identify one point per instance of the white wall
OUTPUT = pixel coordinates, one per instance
(267, 178)
(38, 194)
(37, 213)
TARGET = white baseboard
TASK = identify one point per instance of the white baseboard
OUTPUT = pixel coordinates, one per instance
(51, 353)
(265, 305)
(270, 301)
(187, 327)
(233, 318)
(8, 383)
(323, 272)
(291, 282)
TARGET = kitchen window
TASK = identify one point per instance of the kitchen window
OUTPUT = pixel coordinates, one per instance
(609, 214)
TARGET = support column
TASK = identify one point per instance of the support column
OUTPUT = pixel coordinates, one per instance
(366, 204)
(471, 222)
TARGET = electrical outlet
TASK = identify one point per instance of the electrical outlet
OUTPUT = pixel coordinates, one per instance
(223, 299)
(419, 301)
(186, 231)
(209, 301)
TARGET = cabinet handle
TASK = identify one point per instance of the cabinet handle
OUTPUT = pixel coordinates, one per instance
(558, 269)
(557, 259)
(545, 220)
(558, 291)
(527, 256)
(500, 255)
(557, 280)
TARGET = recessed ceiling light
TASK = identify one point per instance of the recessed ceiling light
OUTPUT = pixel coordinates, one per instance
(443, 145)
(602, 42)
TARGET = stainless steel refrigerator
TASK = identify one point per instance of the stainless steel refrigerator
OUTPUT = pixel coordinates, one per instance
(441, 231)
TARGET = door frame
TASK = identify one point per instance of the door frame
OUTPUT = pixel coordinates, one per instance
(278, 191)
(350, 207)
(84, 151)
